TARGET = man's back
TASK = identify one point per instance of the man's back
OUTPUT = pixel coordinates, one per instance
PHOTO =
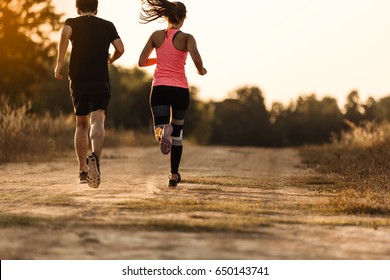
(91, 38)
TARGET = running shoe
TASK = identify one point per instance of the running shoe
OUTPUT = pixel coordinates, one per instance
(83, 177)
(93, 171)
(174, 182)
(166, 140)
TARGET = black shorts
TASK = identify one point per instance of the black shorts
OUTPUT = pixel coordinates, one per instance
(88, 97)
(169, 103)
(176, 97)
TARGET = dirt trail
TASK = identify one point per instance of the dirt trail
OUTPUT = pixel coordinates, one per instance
(58, 219)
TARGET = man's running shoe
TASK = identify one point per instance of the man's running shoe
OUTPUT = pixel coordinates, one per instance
(166, 140)
(174, 182)
(93, 171)
(83, 177)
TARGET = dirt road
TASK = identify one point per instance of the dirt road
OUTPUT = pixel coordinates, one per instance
(234, 203)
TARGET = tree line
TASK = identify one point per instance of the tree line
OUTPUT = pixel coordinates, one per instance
(27, 55)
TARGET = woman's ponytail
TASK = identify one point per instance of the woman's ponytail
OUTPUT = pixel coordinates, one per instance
(151, 10)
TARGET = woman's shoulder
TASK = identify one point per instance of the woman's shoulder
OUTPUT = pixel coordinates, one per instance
(185, 35)
(159, 33)
(158, 38)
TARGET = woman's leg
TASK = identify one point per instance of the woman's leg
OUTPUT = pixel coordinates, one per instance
(179, 109)
(160, 108)
(177, 140)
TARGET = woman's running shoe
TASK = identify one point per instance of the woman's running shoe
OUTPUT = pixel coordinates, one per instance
(174, 182)
(166, 140)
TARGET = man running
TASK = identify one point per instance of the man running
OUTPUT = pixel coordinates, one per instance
(91, 38)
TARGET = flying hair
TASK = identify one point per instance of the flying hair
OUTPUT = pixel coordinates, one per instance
(152, 10)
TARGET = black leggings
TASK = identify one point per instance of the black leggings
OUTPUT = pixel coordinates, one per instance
(169, 106)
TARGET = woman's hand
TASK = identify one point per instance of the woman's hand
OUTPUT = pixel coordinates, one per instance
(202, 72)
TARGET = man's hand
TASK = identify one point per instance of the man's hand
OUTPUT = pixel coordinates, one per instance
(57, 73)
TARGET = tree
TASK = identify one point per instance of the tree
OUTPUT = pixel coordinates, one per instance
(370, 110)
(26, 51)
(312, 121)
(354, 108)
(129, 105)
(242, 119)
(383, 108)
(279, 118)
(198, 125)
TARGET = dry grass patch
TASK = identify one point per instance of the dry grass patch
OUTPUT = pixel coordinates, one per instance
(358, 163)
(230, 181)
(25, 136)
(20, 220)
(56, 200)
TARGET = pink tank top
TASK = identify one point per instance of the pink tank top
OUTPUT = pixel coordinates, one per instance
(170, 69)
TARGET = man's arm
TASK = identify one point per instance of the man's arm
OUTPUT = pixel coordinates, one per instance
(119, 50)
(62, 48)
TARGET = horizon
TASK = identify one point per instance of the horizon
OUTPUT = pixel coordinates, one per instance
(285, 48)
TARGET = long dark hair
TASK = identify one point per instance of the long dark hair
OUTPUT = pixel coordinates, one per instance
(151, 10)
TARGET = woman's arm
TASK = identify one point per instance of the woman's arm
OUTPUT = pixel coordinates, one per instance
(144, 59)
(196, 58)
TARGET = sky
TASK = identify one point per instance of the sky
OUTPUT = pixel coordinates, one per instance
(287, 48)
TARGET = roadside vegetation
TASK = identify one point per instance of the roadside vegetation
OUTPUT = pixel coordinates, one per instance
(25, 136)
(358, 164)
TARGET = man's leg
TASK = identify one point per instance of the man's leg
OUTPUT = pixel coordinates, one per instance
(81, 141)
(97, 139)
(97, 131)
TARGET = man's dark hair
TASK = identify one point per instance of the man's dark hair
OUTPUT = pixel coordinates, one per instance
(87, 5)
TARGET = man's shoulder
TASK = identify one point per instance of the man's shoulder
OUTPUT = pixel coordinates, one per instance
(81, 19)
(69, 21)
(104, 20)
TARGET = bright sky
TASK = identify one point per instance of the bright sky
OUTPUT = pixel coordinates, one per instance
(287, 48)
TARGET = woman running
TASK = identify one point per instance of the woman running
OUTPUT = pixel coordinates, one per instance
(170, 96)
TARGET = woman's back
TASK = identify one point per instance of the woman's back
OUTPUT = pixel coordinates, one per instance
(171, 53)
(179, 41)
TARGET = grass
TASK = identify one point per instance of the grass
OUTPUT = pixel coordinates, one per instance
(21, 220)
(25, 136)
(229, 181)
(358, 164)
